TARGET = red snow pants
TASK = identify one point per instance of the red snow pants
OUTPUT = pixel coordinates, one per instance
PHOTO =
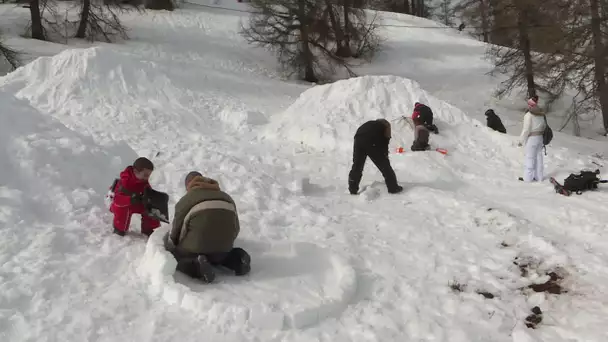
(122, 217)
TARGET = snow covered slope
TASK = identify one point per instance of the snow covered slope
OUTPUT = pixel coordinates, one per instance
(51, 205)
(447, 63)
(433, 263)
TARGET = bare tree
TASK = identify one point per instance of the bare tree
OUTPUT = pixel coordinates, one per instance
(168, 5)
(36, 16)
(99, 19)
(477, 12)
(312, 37)
(599, 58)
(446, 12)
(398, 6)
(349, 29)
(578, 61)
(8, 55)
(517, 60)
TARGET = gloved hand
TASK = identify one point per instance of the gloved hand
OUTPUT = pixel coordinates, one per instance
(137, 198)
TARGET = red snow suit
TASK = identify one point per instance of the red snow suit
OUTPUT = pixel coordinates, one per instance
(122, 208)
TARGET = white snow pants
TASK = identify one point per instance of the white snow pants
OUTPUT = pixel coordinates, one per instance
(533, 169)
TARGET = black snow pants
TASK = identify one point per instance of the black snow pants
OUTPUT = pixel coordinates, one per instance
(199, 265)
(379, 156)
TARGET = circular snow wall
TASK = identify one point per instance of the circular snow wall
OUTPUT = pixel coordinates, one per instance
(291, 285)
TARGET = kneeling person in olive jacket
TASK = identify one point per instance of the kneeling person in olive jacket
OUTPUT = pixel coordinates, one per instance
(205, 225)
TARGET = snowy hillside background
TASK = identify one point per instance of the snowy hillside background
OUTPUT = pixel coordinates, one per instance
(464, 254)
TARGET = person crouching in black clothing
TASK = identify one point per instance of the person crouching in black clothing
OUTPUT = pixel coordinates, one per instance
(494, 121)
(371, 140)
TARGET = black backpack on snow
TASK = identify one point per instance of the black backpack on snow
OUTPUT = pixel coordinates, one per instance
(585, 180)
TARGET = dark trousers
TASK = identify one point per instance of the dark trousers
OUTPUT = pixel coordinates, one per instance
(188, 263)
(418, 146)
(379, 157)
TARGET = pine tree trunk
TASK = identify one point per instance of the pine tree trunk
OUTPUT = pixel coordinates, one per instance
(84, 19)
(483, 8)
(159, 5)
(37, 29)
(524, 45)
(309, 71)
(600, 66)
(346, 47)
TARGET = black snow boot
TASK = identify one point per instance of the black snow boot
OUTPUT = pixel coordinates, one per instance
(239, 261)
(197, 267)
(119, 232)
(206, 272)
(396, 189)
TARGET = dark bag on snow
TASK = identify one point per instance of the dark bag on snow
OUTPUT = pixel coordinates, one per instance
(547, 135)
(585, 180)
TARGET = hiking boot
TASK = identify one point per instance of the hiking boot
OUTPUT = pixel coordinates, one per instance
(239, 261)
(395, 190)
(205, 271)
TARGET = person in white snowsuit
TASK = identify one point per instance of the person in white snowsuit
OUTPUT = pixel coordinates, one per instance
(532, 138)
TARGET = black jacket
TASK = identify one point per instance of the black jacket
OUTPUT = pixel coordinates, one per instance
(372, 135)
(494, 122)
(425, 114)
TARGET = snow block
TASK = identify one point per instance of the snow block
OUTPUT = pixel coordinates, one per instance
(291, 285)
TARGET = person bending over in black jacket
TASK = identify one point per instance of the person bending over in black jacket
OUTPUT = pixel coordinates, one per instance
(371, 140)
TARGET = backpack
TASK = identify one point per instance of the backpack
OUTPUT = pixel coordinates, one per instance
(547, 135)
(585, 180)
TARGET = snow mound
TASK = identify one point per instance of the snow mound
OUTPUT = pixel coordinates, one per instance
(326, 117)
(48, 169)
(146, 92)
(293, 285)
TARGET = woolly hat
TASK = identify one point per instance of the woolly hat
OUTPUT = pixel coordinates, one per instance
(190, 176)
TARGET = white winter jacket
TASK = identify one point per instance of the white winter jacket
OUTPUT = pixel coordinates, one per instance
(534, 124)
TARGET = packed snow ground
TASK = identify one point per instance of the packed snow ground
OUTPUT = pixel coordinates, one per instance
(327, 266)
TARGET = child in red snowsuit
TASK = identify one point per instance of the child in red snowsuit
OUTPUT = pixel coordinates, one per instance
(128, 198)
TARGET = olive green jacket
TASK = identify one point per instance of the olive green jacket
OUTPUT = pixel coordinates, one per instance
(205, 220)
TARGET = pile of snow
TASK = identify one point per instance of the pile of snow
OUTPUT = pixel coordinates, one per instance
(49, 169)
(291, 285)
(326, 117)
(70, 87)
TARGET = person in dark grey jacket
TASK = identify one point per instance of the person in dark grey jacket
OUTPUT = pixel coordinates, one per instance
(204, 228)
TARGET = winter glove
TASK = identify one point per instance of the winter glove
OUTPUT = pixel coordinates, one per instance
(137, 198)
(432, 128)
